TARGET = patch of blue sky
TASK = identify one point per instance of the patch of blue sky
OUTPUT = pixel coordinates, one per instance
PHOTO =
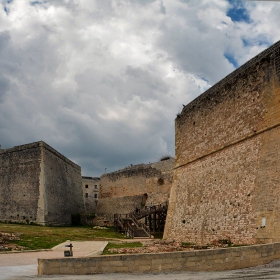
(238, 12)
(33, 3)
(5, 5)
(231, 59)
(260, 40)
(205, 80)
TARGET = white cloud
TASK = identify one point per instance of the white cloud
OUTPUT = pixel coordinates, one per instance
(102, 81)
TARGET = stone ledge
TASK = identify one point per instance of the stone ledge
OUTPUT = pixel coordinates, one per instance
(221, 259)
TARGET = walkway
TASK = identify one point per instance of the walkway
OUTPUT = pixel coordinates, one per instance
(17, 264)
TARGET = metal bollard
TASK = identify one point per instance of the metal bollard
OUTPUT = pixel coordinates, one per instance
(70, 252)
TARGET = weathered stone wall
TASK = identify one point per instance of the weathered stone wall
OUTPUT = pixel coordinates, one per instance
(38, 184)
(122, 205)
(19, 183)
(227, 159)
(124, 190)
(62, 187)
(203, 260)
(90, 186)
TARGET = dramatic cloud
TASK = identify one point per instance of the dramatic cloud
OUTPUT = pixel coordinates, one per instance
(102, 81)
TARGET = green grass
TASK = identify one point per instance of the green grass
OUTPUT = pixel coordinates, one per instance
(43, 237)
(111, 245)
(187, 244)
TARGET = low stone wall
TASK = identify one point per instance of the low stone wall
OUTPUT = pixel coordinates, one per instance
(203, 260)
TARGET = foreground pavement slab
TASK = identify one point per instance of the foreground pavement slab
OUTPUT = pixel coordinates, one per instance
(80, 249)
(241, 274)
(18, 265)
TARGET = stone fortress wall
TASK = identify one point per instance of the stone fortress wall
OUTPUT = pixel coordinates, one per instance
(227, 159)
(38, 185)
(19, 183)
(124, 190)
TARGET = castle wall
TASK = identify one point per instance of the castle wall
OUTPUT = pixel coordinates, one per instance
(227, 164)
(124, 190)
(19, 183)
(39, 185)
(63, 187)
(107, 207)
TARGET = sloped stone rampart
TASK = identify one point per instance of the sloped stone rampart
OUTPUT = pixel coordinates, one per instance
(227, 178)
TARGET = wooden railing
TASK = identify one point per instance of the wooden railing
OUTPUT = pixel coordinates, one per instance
(126, 227)
(140, 225)
(125, 221)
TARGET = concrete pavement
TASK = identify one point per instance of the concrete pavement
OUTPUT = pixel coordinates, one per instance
(21, 264)
(23, 273)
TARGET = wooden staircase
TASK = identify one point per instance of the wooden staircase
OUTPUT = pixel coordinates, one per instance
(131, 226)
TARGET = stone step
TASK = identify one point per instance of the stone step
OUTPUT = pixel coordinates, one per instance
(140, 233)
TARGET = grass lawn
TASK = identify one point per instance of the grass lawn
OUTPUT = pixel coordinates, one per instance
(43, 237)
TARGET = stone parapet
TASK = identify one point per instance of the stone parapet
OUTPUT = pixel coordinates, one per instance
(203, 260)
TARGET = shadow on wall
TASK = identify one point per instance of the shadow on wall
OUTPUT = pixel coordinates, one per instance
(144, 199)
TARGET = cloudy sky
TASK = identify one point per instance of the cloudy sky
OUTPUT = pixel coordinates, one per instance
(101, 81)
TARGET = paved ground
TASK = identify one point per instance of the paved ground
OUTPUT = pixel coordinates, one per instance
(23, 266)
(20, 265)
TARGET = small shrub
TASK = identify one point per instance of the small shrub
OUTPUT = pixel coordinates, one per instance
(186, 244)
(225, 242)
(166, 157)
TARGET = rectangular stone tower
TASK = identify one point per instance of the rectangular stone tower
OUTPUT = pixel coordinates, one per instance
(227, 160)
(39, 185)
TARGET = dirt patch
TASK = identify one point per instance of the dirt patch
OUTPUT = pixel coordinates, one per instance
(156, 246)
(6, 242)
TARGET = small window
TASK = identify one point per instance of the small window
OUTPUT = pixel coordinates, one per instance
(95, 195)
(86, 186)
(86, 195)
(95, 186)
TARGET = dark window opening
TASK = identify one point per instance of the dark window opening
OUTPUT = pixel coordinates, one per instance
(160, 181)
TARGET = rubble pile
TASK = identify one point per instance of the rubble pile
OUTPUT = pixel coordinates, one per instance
(153, 247)
(6, 242)
(156, 246)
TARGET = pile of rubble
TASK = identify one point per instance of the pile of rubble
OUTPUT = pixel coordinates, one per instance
(156, 246)
(6, 240)
(153, 247)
